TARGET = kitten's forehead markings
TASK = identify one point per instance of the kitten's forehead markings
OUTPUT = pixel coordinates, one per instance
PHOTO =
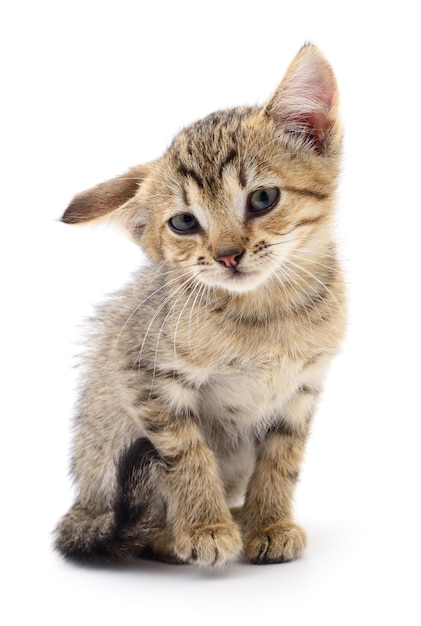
(185, 195)
(229, 174)
(188, 172)
(211, 181)
(205, 149)
(232, 154)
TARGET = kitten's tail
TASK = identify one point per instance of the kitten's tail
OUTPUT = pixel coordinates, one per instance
(81, 537)
(126, 529)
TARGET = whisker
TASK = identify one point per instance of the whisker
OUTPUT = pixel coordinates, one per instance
(201, 293)
(185, 286)
(196, 284)
(312, 261)
(292, 305)
(137, 307)
(157, 312)
(280, 243)
(313, 276)
(302, 294)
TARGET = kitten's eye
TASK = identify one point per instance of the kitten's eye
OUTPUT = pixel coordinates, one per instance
(183, 223)
(263, 200)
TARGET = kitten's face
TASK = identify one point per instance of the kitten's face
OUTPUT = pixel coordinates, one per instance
(242, 197)
(233, 207)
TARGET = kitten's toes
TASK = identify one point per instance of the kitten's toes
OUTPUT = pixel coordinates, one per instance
(213, 544)
(278, 543)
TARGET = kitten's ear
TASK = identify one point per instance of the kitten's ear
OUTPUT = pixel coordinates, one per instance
(105, 198)
(305, 104)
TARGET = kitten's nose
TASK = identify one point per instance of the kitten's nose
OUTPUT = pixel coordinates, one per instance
(230, 259)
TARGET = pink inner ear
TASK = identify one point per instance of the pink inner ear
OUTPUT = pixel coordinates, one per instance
(317, 83)
(315, 95)
(305, 101)
(315, 124)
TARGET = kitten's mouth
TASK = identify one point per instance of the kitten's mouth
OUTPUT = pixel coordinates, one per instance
(237, 280)
(237, 274)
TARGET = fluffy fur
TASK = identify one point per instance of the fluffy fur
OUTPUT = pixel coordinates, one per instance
(202, 375)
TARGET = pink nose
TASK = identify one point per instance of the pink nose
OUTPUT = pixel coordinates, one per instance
(232, 259)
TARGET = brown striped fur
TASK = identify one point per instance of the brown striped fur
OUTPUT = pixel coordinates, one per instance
(202, 375)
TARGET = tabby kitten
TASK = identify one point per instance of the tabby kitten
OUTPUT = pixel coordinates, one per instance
(203, 373)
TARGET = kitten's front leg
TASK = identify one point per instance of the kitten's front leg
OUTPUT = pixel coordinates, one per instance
(200, 525)
(270, 535)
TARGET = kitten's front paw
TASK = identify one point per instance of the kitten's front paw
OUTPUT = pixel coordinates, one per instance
(278, 543)
(209, 545)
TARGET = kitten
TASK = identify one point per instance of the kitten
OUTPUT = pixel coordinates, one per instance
(203, 373)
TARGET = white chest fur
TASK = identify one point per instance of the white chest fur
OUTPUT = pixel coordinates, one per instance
(244, 397)
(248, 395)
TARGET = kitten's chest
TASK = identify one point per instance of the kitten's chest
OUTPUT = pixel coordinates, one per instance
(246, 393)
(237, 377)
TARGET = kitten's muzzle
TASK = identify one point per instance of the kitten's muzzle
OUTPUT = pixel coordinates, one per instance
(230, 259)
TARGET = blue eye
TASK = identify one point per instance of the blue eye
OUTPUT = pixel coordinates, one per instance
(263, 200)
(183, 223)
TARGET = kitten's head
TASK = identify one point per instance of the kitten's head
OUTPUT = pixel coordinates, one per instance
(239, 193)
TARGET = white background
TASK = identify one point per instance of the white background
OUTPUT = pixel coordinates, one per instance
(90, 88)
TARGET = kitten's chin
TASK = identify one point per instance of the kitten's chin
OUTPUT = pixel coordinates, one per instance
(239, 282)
